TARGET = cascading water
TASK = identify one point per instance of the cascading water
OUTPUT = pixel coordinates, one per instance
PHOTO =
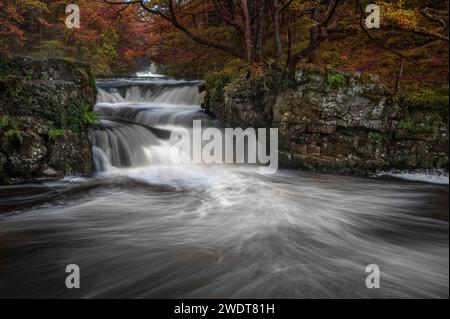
(134, 115)
(147, 227)
(168, 94)
(151, 72)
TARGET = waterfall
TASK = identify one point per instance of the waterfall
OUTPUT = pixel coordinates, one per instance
(151, 71)
(124, 145)
(109, 97)
(169, 94)
(135, 118)
(151, 229)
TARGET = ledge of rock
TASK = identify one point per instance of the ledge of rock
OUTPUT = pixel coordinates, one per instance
(335, 122)
(45, 109)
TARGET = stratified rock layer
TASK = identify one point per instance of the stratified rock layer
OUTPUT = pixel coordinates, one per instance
(335, 122)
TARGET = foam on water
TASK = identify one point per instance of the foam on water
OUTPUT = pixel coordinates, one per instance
(428, 176)
(150, 72)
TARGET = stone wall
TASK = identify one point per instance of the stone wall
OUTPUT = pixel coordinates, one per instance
(45, 108)
(337, 122)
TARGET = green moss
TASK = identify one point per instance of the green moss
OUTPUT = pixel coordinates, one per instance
(404, 124)
(256, 85)
(427, 127)
(335, 80)
(29, 74)
(9, 128)
(379, 136)
(431, 100)
(429, 124)
(16, 92)
(52, 134)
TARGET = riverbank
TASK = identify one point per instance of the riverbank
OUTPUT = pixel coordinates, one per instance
(328, 122)
(46, 106)
(335, 122)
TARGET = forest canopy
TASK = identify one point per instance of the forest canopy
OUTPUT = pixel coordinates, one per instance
(192, 37)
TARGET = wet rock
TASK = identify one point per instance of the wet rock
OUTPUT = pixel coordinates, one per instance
(50, 172)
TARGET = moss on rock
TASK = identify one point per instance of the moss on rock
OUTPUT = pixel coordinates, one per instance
(330, 121)
(43, 96)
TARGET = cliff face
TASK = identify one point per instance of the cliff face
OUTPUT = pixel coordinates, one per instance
(45, 108)
(337, 122)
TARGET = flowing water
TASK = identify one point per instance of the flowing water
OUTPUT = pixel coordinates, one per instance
(146, 227)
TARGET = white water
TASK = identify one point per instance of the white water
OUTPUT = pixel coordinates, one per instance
(429, 176)
(150, 72)
(147, 227)
(167, 96)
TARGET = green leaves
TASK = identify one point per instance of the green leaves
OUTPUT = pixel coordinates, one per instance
(89, 117)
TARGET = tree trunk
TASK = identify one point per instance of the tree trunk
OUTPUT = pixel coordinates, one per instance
(276, 29)
(259, 29)
(247, 31)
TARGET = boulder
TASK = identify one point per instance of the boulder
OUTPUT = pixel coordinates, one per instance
(44, 117)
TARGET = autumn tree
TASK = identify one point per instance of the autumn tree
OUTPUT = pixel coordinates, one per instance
(110, 39)
(20, 20)
(116, 34)
(257, 30)
(286, 31)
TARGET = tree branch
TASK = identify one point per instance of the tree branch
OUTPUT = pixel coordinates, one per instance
(197, 38)
(173, 19)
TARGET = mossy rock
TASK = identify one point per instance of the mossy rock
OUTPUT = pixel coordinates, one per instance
(45, 95)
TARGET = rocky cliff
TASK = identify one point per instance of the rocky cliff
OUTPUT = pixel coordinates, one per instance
(45, 108)
(336, 122)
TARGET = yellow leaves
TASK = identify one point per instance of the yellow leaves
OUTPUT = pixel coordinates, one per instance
(397, 13)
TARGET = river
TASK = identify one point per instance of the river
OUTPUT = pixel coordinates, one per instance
(146, 227)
